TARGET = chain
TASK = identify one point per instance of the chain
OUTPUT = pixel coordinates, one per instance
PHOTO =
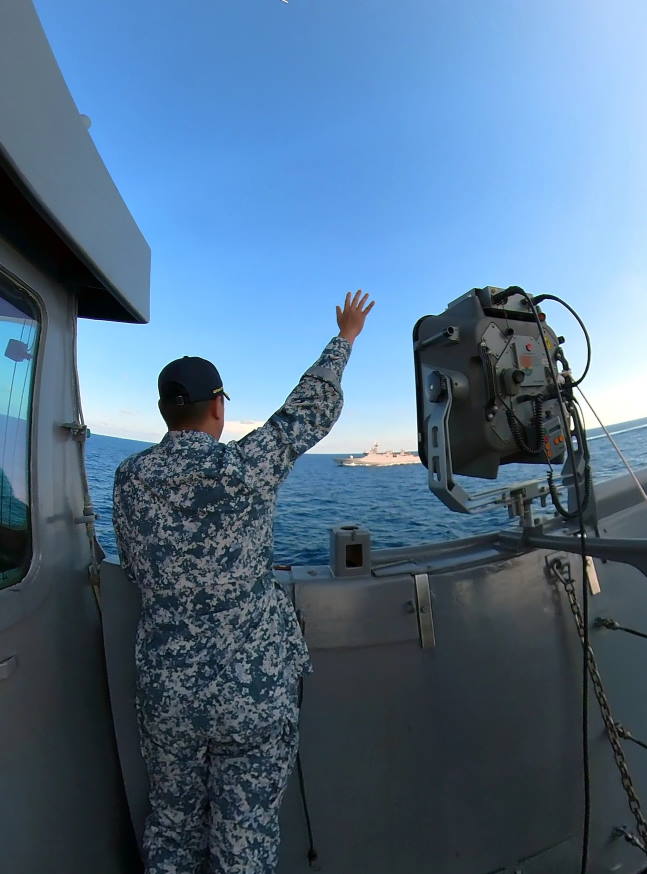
(609, 723)
(621, 831)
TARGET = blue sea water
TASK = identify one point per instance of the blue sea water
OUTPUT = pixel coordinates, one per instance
(394, 503)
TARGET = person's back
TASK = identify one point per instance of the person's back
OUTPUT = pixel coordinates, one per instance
(219, 650)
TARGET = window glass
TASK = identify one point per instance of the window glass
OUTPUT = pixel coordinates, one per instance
(18, 339)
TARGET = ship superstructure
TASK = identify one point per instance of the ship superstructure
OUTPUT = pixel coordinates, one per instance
(375, 458)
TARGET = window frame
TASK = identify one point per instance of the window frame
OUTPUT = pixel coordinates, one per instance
(32, 559)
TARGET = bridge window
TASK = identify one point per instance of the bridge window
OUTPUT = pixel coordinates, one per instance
(18, 337)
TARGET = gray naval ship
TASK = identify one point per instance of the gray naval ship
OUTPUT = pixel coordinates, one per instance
(478, 705)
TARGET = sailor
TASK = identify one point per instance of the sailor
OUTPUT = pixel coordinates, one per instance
(219, 651)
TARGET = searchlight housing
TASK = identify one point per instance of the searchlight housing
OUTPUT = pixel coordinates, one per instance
(485, 391)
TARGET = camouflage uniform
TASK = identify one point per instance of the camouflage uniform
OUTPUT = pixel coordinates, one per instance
(219, 651)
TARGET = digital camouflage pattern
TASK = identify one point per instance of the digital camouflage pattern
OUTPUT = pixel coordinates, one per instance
(219, 650)
(215, 804)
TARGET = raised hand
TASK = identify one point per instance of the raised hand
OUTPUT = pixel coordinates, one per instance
(351, 319)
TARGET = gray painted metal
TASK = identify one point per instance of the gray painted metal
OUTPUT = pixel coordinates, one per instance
(350, 551)
(120, 606)
(62, 806)
(424, 610)
(629, 550)
(8, 666)
(464, 758)
(44, 141)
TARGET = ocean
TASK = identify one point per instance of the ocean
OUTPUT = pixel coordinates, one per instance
(394, 503)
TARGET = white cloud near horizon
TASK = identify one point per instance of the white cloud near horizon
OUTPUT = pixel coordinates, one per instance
(236, 429)
(150, 433)
(615, 405)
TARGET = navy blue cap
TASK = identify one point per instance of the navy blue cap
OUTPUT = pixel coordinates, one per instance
(189, 380)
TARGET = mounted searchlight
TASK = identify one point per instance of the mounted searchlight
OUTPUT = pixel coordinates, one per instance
(485, 392)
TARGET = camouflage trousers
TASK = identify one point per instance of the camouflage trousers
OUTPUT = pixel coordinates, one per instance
(214, 805)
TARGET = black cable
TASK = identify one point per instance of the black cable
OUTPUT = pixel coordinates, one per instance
(588, 476)
(511, 413)
(625, 734)
(585, 594)
(541, 297)
(536, 428)
(584, 444)
(554, 495)
(581, 431)
(632, 631)
(612, 625)
(312, 854)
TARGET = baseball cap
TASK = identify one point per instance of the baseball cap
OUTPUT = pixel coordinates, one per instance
(189, 380)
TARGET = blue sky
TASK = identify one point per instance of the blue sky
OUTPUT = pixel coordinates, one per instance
(276, 155)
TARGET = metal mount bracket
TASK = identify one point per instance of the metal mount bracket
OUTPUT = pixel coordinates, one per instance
(424, 611)
(518, 498)
(76, 430)
(627, 550)
(439, 461)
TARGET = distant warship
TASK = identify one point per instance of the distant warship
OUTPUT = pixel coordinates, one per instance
(373, 458)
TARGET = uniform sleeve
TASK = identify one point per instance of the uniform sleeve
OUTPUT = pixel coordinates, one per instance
(119, 523)
(308, 414)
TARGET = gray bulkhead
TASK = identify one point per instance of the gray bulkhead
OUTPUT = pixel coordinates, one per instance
(463, 756)
(61, 798)
(67, 245)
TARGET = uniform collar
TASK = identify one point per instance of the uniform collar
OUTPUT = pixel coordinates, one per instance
(188, 438)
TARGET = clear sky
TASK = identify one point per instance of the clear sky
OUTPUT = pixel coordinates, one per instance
(276, 155)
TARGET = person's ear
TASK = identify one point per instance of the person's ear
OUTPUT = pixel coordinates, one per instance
(217, 408)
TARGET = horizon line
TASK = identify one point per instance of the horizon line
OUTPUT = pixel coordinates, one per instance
(631, 422)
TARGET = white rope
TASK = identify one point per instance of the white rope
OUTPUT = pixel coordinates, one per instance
(615, 446)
